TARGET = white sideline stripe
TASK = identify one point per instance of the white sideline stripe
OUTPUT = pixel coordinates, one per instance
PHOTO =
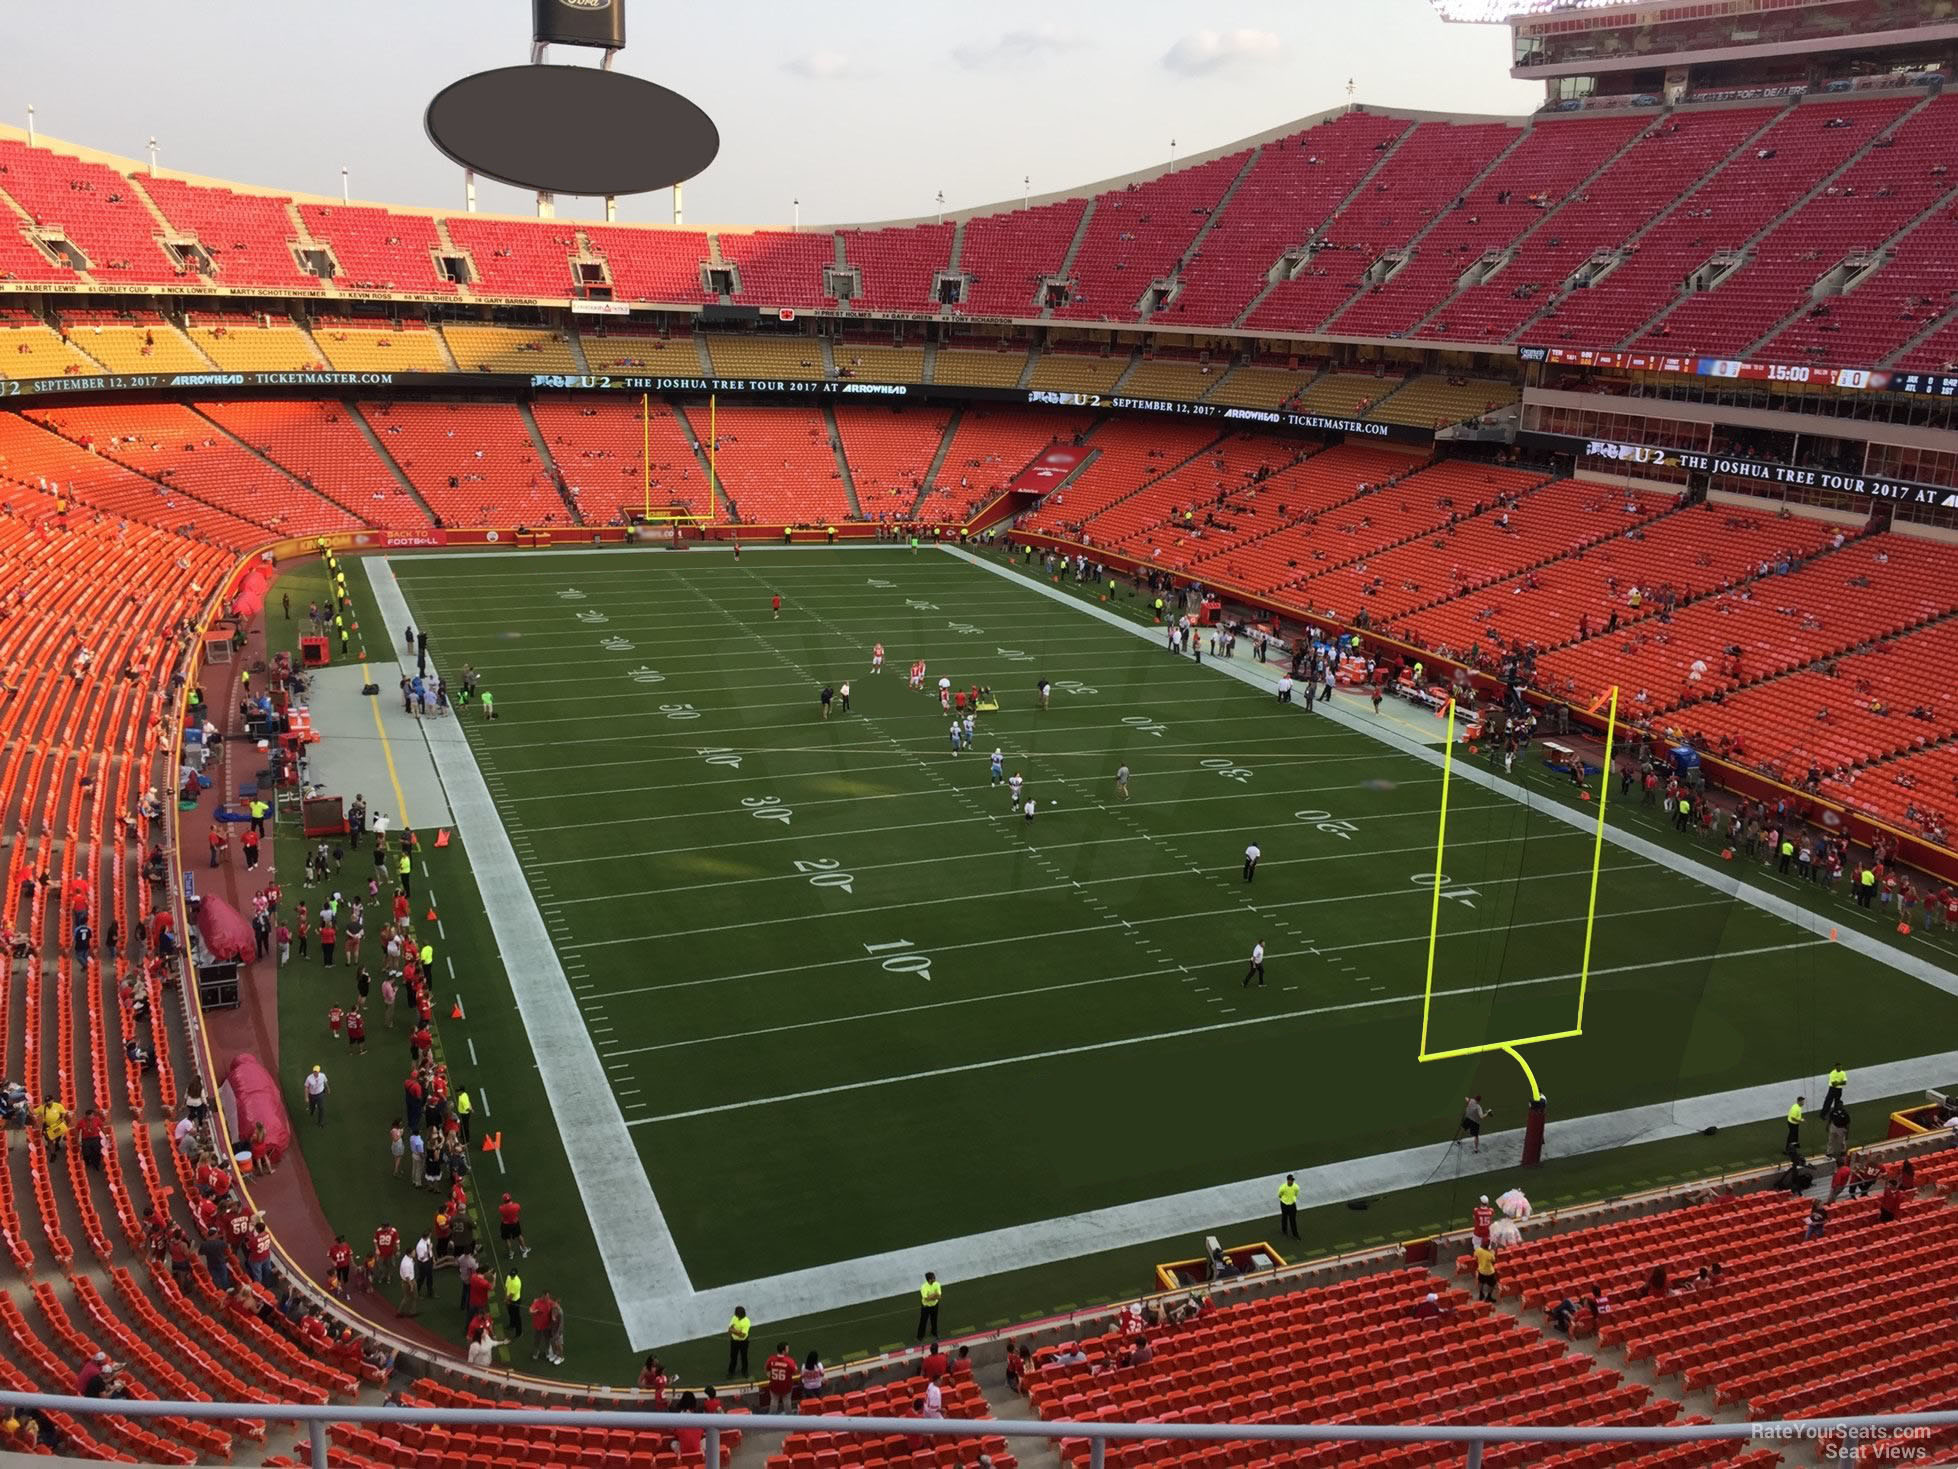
(831, 1287)
(641, 1260)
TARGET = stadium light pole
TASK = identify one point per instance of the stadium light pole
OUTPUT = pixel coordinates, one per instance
(1026, 192)
(30, 124)
(941, 206)
(795, 222)
(469, 189)
(152, 155)
(346, 191)
(1172, 155)
(679, 214)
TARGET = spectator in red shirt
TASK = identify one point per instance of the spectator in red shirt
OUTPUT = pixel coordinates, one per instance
(652, 1380)
(782, 1372)
(509, 1214)
(689, 1440)
(935, 1363)
(387, 1239)
(340, 1257)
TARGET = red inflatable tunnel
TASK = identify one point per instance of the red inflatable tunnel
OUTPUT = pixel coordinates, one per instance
(254, 1099)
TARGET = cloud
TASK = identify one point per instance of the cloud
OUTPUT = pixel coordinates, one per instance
(1016, 48)
(1203, 52)
(823, 66)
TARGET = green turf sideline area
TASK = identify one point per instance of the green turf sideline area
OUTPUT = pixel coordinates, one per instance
(989, 1025)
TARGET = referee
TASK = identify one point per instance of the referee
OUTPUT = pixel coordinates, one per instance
(1251, 855)
(1257, 967)
(1288, 1206)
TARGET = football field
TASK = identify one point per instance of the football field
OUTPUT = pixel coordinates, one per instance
(848, 1001)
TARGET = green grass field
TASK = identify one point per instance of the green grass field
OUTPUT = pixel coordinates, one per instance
(849, 1002)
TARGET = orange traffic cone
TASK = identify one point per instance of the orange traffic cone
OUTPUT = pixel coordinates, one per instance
(1726, 854)
(442, 837)
(1903, 928)
(455, 1011)
(431, 915)
(1832, 935)
(492, 1142)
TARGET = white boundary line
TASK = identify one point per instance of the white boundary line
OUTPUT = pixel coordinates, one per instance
(636, 1247)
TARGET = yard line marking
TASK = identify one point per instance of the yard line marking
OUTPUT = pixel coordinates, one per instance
(635, 1245)
(1061, 933)
(482, 1097)
(1185, 1032)
(1669, 859)
(1384, 893)
(472, 1051)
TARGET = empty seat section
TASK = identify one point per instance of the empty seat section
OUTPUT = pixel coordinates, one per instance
(250, 238)
(1913, 283)
(1138, 235)
(777, 465)
(1005, 257)
(474, 463)
(1128, 454)
(1766, 174)
(774, 269)
(898, 267)
(29, 347)
(1852, 216)
(1434, 400)
(171, 444)
(515, 257)
(1082, 368)
(753, 356)
(1263, 382)
(365, 344)
(321, 444)
(1554, 158)
(1432, 165)
(641, 351)
(478, 347)
(1325, 512)
(990, 445)
(1651, 546)
(1174, 373)
(378, 250)
(1345, 394)
(96, 210)
(1914, 792)
(873, 359)
(132, 341)
(1838, 599)
(980, 362)
(597, 445)
(889, 450)
(960, 1397)
(1589, 234)
(656, 266)
(240, 341)
(1294, 186)
(1211, 498)
(1851, 711)
(38, 458)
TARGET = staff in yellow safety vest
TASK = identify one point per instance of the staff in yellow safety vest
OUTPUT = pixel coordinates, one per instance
(738, 1328)
(1288, 1206)
(929, 1295)
(1795, 1116)
(463, 1108)
(1838, 1079)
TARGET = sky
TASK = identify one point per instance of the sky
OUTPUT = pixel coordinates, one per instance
(862, 111)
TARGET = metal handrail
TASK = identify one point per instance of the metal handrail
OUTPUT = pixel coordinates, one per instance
(317, 1417)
